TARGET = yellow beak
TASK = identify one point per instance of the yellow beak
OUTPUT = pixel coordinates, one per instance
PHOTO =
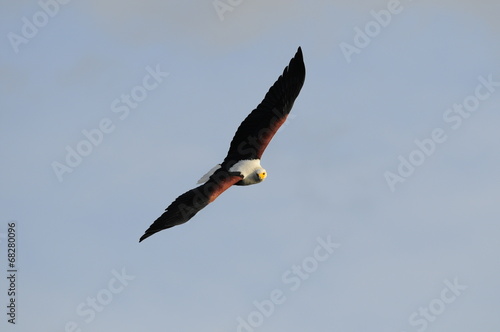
(262, 175)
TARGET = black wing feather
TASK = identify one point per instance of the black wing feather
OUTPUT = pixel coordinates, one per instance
(256, 131)
(191, 202)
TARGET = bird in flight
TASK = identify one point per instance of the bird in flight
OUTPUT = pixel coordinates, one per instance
(242, 163)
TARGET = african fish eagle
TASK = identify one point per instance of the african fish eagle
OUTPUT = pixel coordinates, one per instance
(242, 163)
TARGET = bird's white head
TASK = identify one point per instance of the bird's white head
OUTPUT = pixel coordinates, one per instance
(250, 170)
(261, 174)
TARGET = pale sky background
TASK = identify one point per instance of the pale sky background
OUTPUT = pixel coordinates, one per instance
(399, 250)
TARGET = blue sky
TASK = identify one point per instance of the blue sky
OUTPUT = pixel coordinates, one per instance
(419, 254)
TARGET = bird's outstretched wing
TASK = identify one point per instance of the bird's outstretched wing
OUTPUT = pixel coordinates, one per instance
(188, 204)
(257, 130)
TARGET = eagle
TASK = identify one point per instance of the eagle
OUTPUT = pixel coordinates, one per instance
(241, 166)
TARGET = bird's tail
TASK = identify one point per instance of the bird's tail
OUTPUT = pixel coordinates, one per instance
(207, 176)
